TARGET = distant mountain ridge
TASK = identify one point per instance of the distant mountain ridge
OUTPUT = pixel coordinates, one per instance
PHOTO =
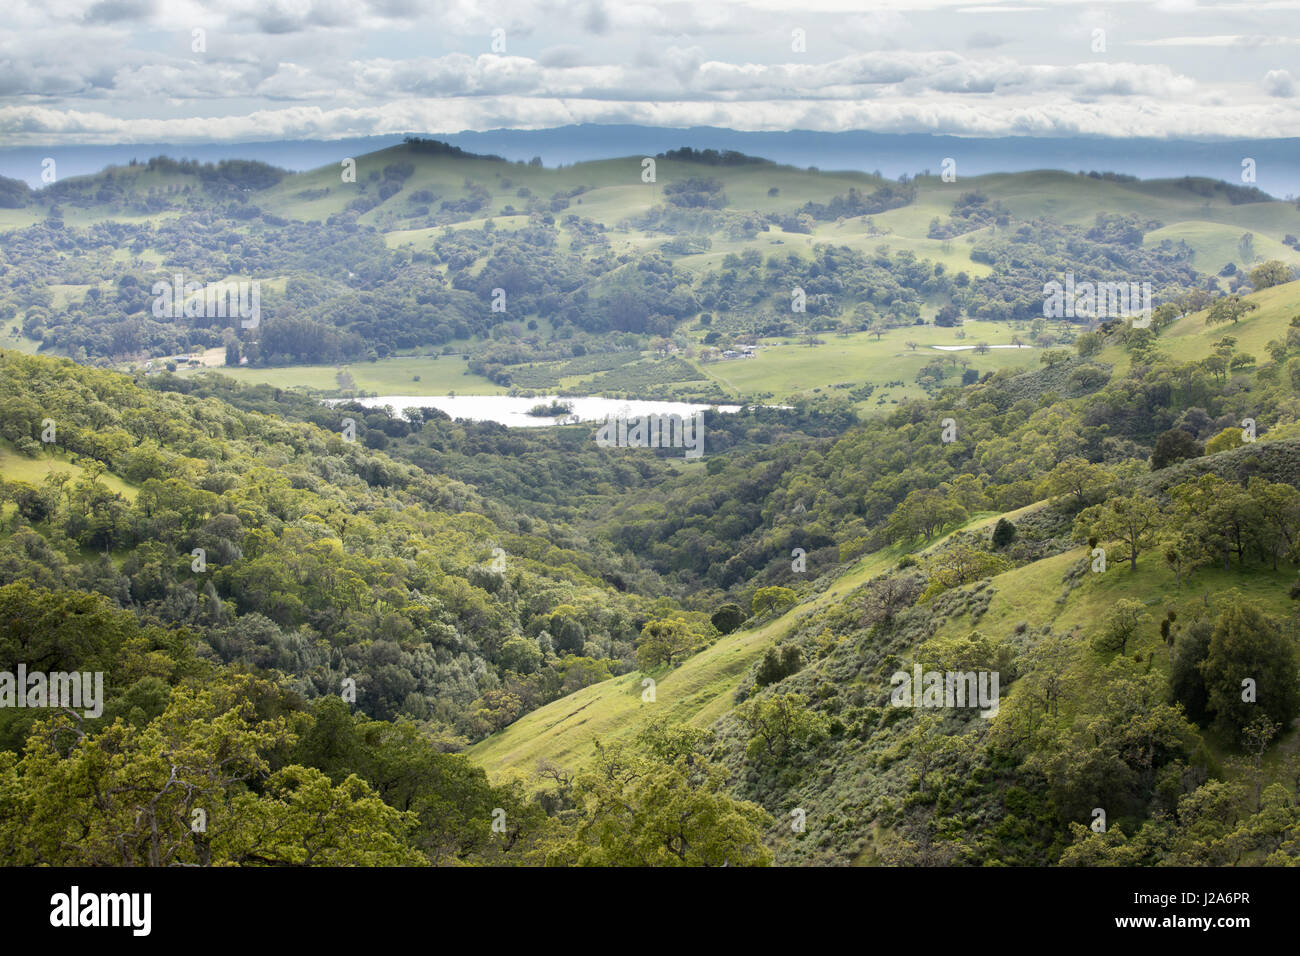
(1276, 161)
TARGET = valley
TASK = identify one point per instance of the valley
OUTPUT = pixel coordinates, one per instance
(410, 621)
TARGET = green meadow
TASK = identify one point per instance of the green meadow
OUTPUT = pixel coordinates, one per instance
(403, 375)
(784, 369)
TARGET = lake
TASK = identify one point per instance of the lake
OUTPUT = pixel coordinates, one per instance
(512, 411)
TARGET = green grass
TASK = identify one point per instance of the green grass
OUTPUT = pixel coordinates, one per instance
(784, 371)
(1216, 245)
(1030, 596)
(1190, 339)
(18, 467)
(1077, 200)
(391, 376)
(698, 692)
(19, 342)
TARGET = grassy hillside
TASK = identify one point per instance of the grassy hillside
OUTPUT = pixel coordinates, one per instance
(1191, 338)
(697, 692)
(18, 467)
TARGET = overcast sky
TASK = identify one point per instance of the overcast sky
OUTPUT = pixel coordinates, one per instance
(109, 71)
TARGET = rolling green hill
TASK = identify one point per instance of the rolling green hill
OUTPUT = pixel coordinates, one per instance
(431, 232)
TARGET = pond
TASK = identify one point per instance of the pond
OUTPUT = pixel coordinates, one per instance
(963, 348)
(512, 411)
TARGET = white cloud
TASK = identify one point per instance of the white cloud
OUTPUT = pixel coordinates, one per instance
(343, 67)
(1147, 117)
(1279, 83)
(1222, 41)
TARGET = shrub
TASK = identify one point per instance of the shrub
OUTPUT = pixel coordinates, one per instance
(1226, 440)
(1174, 446)
(778, 664)
(727, 618)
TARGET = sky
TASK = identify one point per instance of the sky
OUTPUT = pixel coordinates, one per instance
(137, 71)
